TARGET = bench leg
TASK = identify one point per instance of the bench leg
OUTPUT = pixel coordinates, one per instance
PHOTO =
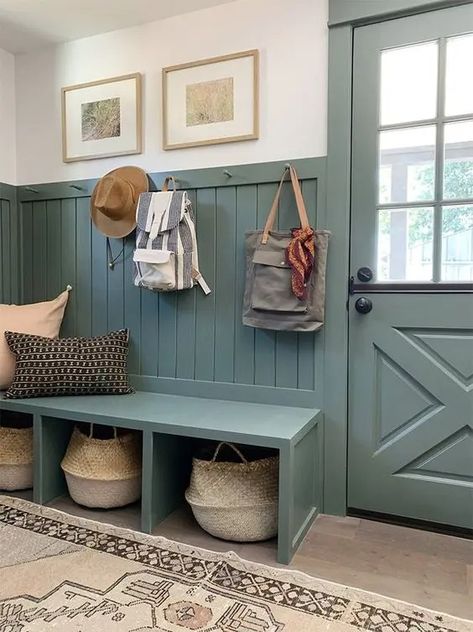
(285, 517)
(300, 479)
(50, 440)
(166, 472)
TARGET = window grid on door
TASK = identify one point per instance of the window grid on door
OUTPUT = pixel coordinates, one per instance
(425, 190)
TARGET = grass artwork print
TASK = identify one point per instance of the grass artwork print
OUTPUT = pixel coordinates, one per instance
(209, 102)
(101, 119)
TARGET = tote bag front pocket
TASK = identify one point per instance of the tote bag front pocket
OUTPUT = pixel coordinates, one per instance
(272, 283)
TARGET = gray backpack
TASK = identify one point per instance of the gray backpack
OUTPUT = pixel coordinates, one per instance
(269, 301)
(166, 257)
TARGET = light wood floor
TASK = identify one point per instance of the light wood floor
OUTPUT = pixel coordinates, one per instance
(429, 569)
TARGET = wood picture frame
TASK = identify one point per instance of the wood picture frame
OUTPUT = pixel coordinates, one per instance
(123, 137)
(175, 101)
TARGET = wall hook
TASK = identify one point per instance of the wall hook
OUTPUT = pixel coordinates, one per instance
(287, 165)
(31, 189)
(227, 173)
(76, 187)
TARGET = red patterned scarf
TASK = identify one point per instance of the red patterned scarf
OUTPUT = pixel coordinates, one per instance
(300, 256)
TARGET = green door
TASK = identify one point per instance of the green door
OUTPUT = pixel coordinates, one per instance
(411, 304)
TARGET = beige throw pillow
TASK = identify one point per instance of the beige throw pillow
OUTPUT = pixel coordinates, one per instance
(41, 319)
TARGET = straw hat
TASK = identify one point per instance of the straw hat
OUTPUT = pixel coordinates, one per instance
(114, 200)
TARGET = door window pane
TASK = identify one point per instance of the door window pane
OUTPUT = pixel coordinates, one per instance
(405, 240)
(409, 155)
(385, 184)
(459, 86)
(409, 83)
(458, 169)
(457, 243)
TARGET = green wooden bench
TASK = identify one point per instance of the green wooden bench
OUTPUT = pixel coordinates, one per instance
(169, 424)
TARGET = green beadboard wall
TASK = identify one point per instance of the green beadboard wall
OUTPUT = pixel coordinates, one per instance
(9, 246)
(182, 342)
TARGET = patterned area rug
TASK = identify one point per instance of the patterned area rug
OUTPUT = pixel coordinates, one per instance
(58, 572)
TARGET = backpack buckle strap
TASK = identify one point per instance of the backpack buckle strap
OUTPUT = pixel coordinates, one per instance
(197, 276)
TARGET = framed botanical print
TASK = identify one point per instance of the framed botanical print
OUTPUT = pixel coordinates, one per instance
(101, 119)
(211, 101)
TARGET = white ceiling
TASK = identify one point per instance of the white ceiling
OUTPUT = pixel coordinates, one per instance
(29, 24)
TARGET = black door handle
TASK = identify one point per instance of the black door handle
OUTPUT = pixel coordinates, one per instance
(363, 305)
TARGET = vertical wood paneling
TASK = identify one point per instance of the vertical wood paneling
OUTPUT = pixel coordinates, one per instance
(53, 249)
(83, 286)
(14, 274)
(115, 285)
(132, 308)
(39, 263)
(69, 263)
(186, 322)
(149, 346)
(205, 316)
(99, 284)
(286, 359)
(5, 252)
(184, 335)
(225, 299)
(265, 339)
(27, 238)
(306, 348)
(247, 203)
(167, 334)
(10, 260)
(286, 342)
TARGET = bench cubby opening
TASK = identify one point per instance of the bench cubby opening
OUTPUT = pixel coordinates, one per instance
(15, 419)
(51, 438)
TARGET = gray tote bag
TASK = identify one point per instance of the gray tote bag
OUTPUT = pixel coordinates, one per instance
(269, 301)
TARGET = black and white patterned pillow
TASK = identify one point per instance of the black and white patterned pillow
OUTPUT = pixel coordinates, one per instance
(69, 366)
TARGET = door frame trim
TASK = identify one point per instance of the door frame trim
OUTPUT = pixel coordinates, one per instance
(356, 12)
(344, 18)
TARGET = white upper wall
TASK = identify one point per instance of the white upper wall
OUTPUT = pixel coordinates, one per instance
(27, 25)
(292, 40)
(7, 118)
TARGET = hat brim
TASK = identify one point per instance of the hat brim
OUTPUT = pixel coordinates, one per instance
(121, 228)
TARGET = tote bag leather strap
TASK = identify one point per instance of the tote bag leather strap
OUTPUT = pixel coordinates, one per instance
(301, 209)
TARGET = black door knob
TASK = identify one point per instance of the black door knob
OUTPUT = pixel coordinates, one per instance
(363, 305)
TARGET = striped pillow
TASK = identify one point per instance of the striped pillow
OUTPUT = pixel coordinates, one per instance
(69, 366)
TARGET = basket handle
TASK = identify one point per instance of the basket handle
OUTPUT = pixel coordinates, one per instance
(230, 445)
(91, 433)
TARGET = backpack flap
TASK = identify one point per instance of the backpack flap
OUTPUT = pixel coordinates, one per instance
(158, 213)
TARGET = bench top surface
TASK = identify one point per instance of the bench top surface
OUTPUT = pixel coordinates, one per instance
(178, 413)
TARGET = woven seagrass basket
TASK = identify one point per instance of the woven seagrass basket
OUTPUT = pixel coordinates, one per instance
(103, 473)
(235, 501)
(16, 458)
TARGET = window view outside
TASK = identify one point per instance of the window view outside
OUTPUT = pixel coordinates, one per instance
(425, 216)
